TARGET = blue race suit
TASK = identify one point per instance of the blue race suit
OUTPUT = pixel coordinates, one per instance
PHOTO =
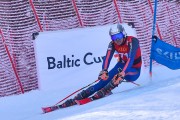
(129, 60)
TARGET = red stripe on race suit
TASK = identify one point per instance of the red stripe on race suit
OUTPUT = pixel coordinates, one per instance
(137, 65)
(107, 58)
(132, 73)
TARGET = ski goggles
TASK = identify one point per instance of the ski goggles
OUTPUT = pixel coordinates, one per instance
(117, 36)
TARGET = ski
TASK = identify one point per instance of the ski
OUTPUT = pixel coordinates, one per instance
(68, 103)
(89, 99)
(49, 109)
(83, 101)
(79, 102)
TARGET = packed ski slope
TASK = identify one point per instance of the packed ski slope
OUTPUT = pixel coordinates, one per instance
(156, 99)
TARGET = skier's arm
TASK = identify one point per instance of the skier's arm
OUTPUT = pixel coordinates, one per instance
(108, 57)
(134, 45)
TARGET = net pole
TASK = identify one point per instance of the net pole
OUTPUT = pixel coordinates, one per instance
(153, 32)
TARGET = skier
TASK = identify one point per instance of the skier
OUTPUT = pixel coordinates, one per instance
(129, 60)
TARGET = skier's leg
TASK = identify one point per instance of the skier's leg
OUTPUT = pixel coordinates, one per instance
(132, 74)
(67, 103)
(107, 89)
(91, 90)
(104, 91)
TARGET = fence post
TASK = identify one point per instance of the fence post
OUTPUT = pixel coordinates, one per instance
(77, 13)
(36, 16)
(11, 60)
(117, 10)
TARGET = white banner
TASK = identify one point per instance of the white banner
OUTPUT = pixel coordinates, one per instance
(72, 58)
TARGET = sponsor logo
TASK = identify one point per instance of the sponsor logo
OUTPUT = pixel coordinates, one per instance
(169, 55)
(68, 62)
(122, 49)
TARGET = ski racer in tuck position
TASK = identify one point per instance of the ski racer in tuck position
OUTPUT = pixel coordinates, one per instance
(129, 60)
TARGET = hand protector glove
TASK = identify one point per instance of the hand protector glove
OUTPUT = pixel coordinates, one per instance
(103, 75)
(118, 78)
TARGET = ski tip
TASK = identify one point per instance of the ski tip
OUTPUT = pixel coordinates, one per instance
(43, 109)
(46, 109)
(49, 109)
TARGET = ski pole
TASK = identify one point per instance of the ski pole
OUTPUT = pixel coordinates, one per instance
(77, 91)
(135, 83)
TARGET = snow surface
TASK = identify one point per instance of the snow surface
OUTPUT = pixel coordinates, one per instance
(156, 99)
